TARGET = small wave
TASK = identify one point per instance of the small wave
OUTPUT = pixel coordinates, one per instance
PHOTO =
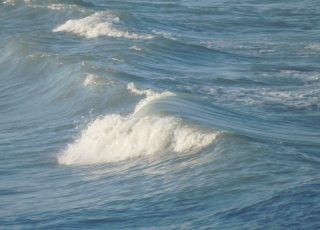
(97, 25)
(115, 138)
(164, 34)
(13, 2)
(136, 48)
(60, 7)
(117, 60)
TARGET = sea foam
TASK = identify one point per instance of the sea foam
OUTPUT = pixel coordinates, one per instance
(97, 25)
(115, 138)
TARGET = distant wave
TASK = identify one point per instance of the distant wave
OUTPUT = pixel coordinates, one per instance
(60, 7)
(97, 25)
(53, 4)
(114, 137)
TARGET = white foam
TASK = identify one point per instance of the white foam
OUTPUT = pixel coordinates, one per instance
(14, 2)
(97, 25)
(117, 60)
(164, 34)
(136, 48)
(305, 97)
(115, 138)
(90, 80)
(9, 2)
(59, 7)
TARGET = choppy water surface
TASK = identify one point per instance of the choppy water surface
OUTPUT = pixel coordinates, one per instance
(159, 114)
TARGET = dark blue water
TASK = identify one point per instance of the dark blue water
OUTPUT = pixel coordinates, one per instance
(159, 114)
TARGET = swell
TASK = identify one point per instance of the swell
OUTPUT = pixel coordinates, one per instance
(229, 120)
(31, 80)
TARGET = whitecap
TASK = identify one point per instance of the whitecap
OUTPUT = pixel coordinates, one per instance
(14, 2)
(115, 137)
(136, 48)
(9, 2)
(59, 7)
(97, 25)
(164, 34)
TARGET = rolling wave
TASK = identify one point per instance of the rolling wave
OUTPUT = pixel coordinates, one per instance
(116, 138)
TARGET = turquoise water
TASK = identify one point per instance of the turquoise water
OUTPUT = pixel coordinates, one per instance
(159, 114)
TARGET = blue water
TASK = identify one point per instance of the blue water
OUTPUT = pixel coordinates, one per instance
(159, 114)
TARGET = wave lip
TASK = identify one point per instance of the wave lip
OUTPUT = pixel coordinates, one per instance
(115, 138)
(150, 96)
(97, 25)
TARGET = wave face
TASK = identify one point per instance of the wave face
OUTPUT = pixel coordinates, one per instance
(159, 114)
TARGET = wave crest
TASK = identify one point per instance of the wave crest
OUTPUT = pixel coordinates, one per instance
(97, 25)
(115, 138)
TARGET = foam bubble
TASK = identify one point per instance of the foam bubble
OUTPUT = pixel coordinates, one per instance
(115, 138)
(97, 25)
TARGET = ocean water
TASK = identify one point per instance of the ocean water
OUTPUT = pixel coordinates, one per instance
(159, 114)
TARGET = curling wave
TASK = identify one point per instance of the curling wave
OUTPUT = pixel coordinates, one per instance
(115, 138)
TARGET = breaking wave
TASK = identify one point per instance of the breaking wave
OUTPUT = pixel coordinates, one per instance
(97, 25)
(115, 138)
